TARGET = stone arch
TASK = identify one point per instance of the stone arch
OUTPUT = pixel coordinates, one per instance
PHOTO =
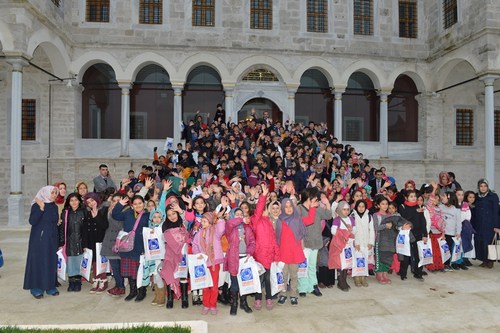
(266, 62)
(444, 70)
(6, 37)
(272, 97)
(82, 63)
(145, 59)
(54, 48)
(416, 77)
(368, 68)
(201, 59)
(321, 65)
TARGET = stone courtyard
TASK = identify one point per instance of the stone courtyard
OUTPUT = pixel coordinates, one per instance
(464, 301)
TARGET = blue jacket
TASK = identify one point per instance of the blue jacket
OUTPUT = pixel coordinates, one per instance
(128, 219)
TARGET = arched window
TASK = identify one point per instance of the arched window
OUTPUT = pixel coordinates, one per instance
(101, 103)
(313, 100)
(203, 91)
(360, 109)
(151, 104)
(403, 111)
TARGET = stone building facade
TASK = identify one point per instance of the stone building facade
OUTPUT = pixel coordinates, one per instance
(46, 44)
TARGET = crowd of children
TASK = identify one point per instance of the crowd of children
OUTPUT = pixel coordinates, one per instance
(287, 196)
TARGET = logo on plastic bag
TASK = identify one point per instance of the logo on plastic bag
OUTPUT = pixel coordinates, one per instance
(199, 271)
(183, 261)
(246, 274)
(457, 248)
(445, 247)
(85, 263)
(360, 262)
(153, 244)
(280, 278)
(348, 253)
(427, 253)
(104, 260)
(59, 263)
(401, 239)
(303, 264)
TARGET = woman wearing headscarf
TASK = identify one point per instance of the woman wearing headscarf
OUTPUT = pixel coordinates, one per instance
(365, 234)
(342, 230)
(290, 231)
(485, 221)
(41, 264)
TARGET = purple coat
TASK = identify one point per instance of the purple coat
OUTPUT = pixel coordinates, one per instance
(218, 254)
(232, 260)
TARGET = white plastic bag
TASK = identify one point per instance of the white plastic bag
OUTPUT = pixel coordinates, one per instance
(277, 278)
(403, 243)
(199, 273)
(445, 250)
(101, 262)
(154, 245)
(360, 264)
(248, 277)
(86, 265)
(181, 272)
(302, 271)
(425, 253)
(371, 257)
(346, 255)
(61, 265)
(457, 249)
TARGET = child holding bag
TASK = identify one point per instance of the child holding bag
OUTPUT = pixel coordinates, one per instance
(208, 241)
(365, 234)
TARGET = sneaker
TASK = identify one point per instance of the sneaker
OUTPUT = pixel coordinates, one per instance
(258, 304)
(467, 262)
(463, 266)
(269, 304)
(302, 294)
(95, 286)
(419, 278)
(294, 301)
(448, 268)
(205, 311)
(103, 285)
(116, 292)
(316, 291)
(213, 311)
(282, 300)
(52, 292)
(455, 267)
(37, 293)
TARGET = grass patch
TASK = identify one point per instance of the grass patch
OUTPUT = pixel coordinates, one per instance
(136, 329)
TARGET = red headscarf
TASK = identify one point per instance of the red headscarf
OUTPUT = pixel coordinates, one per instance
(60, 199)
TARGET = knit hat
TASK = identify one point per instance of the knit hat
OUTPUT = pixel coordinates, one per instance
(210, 217)
(92, 195)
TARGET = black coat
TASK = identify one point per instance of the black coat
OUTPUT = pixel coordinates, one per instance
(485, 217)
(96, 228)
(41, 263)
(75, 234)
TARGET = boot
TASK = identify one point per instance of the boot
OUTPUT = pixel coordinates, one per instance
(141, 294)
(234, 304)
(244, 305)
(342, 285)
(357, 281)
(133, 289)
(71, 286)
(160, 297)
(222, 298)
(364, 283)
(170, 298)
(155, 299)
(184, 295)
(77, 284)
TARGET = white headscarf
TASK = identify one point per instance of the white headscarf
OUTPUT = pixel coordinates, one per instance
(44, 194)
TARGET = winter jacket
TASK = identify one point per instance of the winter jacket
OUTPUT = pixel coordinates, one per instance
(231, 261)
(128, 219)
(452, 220)
(314, 239)
(266, 247)
(217, 246)
(73, 232)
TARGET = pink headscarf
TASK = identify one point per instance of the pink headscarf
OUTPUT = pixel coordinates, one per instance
(44, 194)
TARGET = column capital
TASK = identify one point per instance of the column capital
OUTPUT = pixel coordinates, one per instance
(291, 89)
(17, 62)
(338, 94)
(178, 89)
(124, 85)
(489, 79)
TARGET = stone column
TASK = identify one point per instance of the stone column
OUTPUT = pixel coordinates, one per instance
(177, 111)
(489, 129)
(229, 103)
(384, 125)
(16, 201)
(291, 103)
(125, 114)
(337, 116)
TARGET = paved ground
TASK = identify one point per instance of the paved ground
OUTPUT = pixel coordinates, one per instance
(445, 302)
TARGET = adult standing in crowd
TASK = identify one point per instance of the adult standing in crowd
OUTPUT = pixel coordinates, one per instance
(41, 265)
(485, 221)
(103, 180)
